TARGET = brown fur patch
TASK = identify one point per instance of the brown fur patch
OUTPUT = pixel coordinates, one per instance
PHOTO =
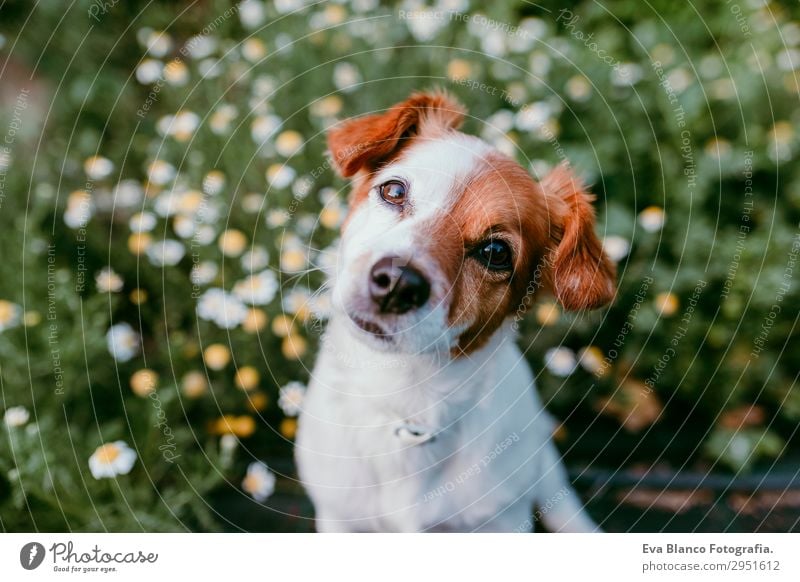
(550, 228)
(583, 276)
(364, 143)
(500, 199)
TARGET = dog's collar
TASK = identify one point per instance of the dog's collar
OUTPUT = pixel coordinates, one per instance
(413, 434)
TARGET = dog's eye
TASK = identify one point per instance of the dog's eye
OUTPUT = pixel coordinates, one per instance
(394, 192)
(495, 254)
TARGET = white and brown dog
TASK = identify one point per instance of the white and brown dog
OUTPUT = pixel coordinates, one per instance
(422, 414)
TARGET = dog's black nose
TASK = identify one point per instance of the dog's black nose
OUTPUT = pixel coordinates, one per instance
(397, 288)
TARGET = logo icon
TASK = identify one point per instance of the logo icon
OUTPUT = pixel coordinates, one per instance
(31, 555)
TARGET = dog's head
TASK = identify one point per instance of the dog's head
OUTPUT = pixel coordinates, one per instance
(446, 237)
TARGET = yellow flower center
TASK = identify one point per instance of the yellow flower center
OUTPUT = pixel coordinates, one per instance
(107, 453)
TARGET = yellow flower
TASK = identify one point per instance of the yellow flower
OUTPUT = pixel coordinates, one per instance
(288, 427)
(718, 147)
(334, 14)
(579, 88)
(591, 359)
(138, 296)
(289, 143)
(194, 384)
(253, 50)
(232, 243)
(294, 347)
(144, 382)
(282, 325)
(257, 401)
(216, 356)
(666, 303)
(247, 378)
(240, 426)
(138, 242)
(782, 133)
(459, 69)
(176, 73)
(331, 216)
(327, 106)
(293, 260)
(254, 321)
(548, 313)
(31, 318)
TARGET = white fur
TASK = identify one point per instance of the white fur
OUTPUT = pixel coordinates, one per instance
(482, 457)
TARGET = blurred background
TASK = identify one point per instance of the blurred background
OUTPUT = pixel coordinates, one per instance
(167, 210)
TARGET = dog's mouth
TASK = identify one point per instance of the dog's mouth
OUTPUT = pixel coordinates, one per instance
(371, 328)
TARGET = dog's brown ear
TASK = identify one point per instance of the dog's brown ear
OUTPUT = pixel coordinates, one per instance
(583, 276)
(365, 142)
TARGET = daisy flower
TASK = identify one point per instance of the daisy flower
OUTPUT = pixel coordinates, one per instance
(257, 289)
(149, 71)
(616, 247)
(10, 315)
(128, 194)
(291, 398)
(160, 172)
(142, 222)
(98, 167)
(203, 273)
(16, 416)
(108, 281)
(280, 176)
(112, 459)
(259, 482)
(251, 13)
(122, 342)
(224, 309)
(560, 361)
(255, 259)
(652, 218)
(167, 252)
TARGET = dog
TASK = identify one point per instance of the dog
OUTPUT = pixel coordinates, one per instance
(421, 414)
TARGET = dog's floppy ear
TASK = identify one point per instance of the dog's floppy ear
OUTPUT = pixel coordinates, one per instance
(583, 277)
(365, 142)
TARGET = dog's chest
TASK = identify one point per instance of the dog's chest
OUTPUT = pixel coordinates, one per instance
(408, 450)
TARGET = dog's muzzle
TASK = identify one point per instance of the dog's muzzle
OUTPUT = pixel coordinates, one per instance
(396, 287)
